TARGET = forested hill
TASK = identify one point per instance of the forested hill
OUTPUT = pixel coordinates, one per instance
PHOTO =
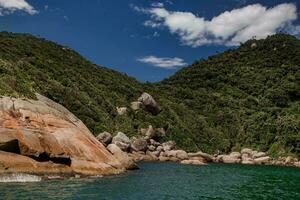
(249, 96)
(246, 97)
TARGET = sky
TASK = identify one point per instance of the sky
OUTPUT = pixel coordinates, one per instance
(146, 39)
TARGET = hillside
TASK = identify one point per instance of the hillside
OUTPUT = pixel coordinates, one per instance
(243, 97)
(248, 96)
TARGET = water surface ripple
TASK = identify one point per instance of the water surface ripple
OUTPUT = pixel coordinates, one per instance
(169, 181)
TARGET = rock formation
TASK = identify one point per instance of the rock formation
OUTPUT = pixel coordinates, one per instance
(105, 138)
(122, 141)
(148, 103)
(41, 136)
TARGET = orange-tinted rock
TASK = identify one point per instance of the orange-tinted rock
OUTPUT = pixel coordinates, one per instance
(50, 139)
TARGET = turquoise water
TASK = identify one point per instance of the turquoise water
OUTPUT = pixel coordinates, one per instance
(170, 181)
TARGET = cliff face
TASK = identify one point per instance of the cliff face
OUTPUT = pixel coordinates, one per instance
(41, 136)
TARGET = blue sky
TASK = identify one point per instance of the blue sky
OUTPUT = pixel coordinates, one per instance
(149, 40)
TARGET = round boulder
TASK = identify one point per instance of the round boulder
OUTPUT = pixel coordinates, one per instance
(122, 141)
(170, 145)
(149, 103)
(139, 144)
(105, 138)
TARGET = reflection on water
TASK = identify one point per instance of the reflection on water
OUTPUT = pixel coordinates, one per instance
(169, 181)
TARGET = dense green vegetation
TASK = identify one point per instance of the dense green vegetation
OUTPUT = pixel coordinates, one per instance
(243, 97)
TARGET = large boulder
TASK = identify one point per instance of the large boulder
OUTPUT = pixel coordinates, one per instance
(170, 145)
(262, 160)
(230, 159)
(149, 104)
(105, 138)
(41, 136)
(182, 155)
(154, 143)
(149, 132)
(151, 148)
(235, 154)
(247, 151)
(206, 156)
(178, 154)
(259, 155)
(122, 141)
(122, 157)
(139, 144)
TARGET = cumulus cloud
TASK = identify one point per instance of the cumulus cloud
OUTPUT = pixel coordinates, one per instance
(229, 27)
(10, 6)
(166, 63)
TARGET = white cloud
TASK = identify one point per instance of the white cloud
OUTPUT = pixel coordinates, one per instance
(10, 6)
(166, 63)
(228, 28)
(157, 4)
(152, 24)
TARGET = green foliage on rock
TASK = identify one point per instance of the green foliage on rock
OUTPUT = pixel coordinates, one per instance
(245, 97)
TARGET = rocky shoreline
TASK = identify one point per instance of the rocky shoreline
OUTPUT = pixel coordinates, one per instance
(145, 148)
(42, 137)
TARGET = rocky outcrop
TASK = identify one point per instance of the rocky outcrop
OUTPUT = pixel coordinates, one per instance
(122, 141)
(251, 157)
(105, 138)
(170, 145)
(148, 103)
(41, 136)
(122, 157)
(139, 144)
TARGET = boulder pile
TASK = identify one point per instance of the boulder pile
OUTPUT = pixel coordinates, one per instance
(147, 148)
(252, 157)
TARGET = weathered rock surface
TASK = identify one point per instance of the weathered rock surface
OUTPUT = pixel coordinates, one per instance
(122, 157)
(41, 136)
(105, 138)
(122, 141)
(139, 144)
(262, 160)
(149, 104)
(170, 145)
(246, 151)
(207, 157)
